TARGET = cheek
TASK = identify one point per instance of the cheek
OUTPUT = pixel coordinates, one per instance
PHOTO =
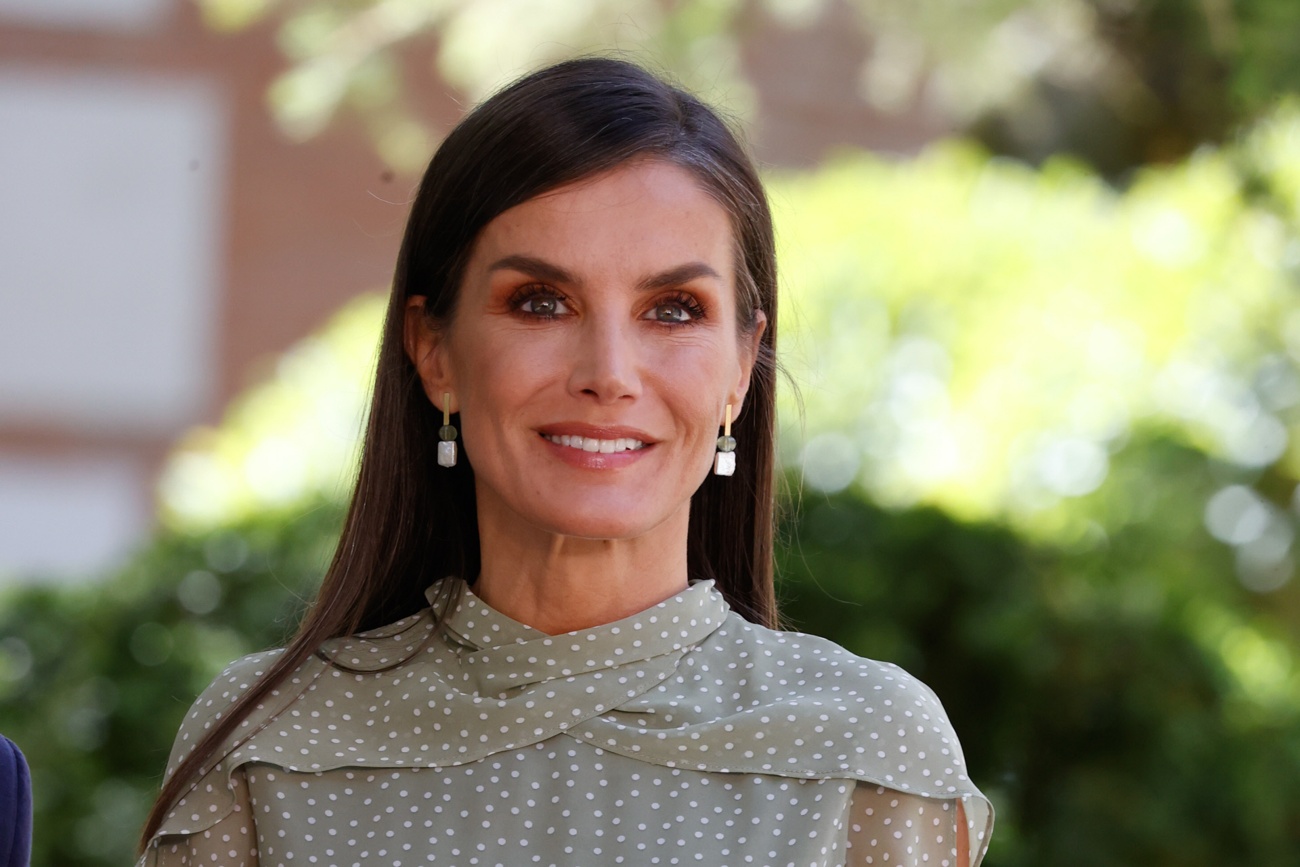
(497, 377)
(695, 386)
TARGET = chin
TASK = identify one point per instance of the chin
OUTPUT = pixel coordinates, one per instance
(588, 515)
(603, 508)
(598, 526)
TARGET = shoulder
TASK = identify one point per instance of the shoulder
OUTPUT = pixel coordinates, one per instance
(209, 795)
(854, 717)
(798, 665)
(215, 702)
(375, 650)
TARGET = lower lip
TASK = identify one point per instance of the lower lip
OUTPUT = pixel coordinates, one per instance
(595, 460)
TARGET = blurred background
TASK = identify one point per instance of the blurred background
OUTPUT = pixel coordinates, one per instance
(1041, 313)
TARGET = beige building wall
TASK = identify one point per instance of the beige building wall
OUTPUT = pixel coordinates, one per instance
(161, 241)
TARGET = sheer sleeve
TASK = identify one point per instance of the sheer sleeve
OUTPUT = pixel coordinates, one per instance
(891, 828)
(232, 842)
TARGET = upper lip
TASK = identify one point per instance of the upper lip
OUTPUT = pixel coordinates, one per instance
(595, 432)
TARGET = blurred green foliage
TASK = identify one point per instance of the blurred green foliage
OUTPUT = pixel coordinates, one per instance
(1117, 83)
(94, 679)
(981, 335)
(1047, 462)
(1096, 692)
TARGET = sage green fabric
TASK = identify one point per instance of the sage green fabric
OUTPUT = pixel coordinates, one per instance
(682, 734)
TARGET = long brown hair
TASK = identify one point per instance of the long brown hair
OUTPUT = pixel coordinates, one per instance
(410, 521)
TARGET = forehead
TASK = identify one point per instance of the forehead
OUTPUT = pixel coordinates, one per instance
(647, 213)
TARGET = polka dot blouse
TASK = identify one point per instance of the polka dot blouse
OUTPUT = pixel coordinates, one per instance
(680, 735)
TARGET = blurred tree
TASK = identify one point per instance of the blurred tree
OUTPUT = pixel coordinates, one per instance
(1141, 81)
(1116, 83)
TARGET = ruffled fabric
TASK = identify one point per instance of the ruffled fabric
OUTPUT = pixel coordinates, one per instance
(684, 684)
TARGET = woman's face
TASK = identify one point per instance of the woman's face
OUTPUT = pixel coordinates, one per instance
(592, 353)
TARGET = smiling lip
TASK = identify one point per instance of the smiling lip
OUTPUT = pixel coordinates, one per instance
(595, 432)
(635, 444)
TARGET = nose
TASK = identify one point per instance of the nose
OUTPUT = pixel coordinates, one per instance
(605, 363)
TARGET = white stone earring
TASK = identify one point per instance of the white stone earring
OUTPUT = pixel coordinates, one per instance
(446, 435)
(724, 462)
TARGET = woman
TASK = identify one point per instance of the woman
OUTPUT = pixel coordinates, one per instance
(573, 411)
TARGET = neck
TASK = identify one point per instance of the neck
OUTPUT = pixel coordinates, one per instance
(560, 584)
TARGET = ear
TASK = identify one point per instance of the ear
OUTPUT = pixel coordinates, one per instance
(750, 344)
(426, 346)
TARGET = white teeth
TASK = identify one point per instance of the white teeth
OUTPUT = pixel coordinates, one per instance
(589, 444)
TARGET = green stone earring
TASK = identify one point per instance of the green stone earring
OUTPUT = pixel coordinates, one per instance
(446, 435)
(724, 462)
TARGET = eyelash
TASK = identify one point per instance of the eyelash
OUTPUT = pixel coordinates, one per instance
(679, 299)
(685, 301)
(525, 294)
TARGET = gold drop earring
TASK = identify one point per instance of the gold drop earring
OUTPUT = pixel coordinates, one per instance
(724, 462)
(446, 435)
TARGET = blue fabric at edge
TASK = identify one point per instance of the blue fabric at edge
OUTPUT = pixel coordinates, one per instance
(15, 806)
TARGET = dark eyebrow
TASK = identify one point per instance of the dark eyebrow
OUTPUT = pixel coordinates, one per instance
(676, 276)
(543, 270)
(533, 267)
